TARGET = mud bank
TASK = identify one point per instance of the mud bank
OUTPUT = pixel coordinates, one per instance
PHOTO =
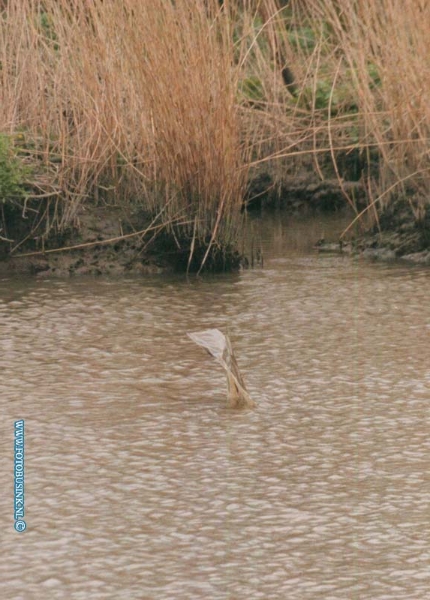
(105, 241)
(303, 194)
(108, 240)
(398, 235)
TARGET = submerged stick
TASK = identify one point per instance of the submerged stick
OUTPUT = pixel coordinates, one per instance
(219, 346)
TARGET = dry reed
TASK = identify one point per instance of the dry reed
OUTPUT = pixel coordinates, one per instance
(361, 95)
(127, 100)
(169, 104)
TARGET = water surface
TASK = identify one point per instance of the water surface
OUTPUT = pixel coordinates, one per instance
(142, 485)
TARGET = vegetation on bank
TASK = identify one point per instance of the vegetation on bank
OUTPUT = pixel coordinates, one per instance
(172, 107)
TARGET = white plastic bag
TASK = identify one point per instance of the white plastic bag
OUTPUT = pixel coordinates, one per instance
(218, 345)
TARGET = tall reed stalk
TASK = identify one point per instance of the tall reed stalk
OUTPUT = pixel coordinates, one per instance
(169, 104)
(362, 82)
(133, 97)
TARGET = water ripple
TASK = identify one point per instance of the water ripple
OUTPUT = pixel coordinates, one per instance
(142, 484)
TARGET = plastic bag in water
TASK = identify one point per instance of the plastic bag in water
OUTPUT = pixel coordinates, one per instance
(219, 346)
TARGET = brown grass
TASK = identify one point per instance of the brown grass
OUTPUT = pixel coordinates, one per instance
(127, 100)
(362, 77)
(167, 104)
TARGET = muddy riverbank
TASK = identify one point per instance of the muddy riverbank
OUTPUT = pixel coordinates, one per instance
(105, 241)
(109, 240)
(397, 232)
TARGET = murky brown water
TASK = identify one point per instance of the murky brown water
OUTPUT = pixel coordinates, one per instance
(140, 484)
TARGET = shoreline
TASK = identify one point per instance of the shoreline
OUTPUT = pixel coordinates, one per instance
(111, 241)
